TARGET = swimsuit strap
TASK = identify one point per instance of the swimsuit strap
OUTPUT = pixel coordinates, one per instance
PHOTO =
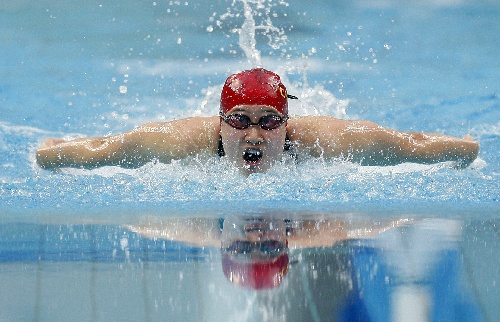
(288, 147)
(220, 148)
(288, 144)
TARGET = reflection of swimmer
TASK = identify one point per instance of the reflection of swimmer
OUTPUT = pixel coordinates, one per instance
(255, 250)
(252, 131)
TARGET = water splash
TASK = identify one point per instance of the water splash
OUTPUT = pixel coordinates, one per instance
(257, 20)
(313, 100)
(247, 32)
(247, 40)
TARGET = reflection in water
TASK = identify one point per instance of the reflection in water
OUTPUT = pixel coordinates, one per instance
(245, 268)
(344, 271)
(254, 251)
(412, 275)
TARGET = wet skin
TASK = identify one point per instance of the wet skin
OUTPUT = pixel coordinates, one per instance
(253, 150)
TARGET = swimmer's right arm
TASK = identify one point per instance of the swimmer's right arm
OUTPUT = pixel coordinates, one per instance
(200, 232)
(163, 142)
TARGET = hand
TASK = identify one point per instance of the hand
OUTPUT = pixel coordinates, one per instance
(468, 137)
(465, 162)
(51, 142)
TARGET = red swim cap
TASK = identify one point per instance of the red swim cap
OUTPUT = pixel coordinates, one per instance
(263, 274)
(257, 86)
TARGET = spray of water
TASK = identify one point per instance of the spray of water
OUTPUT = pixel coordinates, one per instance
(257, 20)
(247, 37)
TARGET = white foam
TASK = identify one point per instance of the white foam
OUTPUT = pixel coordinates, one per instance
(7, 128)
(486, 130)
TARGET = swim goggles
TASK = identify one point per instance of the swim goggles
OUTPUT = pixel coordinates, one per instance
(241, 121)
(266, 247)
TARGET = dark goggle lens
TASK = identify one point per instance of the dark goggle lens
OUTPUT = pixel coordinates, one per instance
(241, 122)
(245, 247)
(270, 122)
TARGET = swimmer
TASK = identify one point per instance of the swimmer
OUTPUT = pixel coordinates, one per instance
(254, 131)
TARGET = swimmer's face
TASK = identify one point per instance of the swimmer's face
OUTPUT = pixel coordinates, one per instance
(256, 238)
(254, 149)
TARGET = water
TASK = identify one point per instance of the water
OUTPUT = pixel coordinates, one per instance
(74, 69)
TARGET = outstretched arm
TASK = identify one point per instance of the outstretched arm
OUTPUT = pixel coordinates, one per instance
(370, 144)
(326, 233)
(153, 141)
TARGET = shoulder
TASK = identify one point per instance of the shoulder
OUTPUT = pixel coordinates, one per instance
(326, 135)
(325, 125)
(303, 121)
(192, 126)
(178, 138)
(299, 128)
(192, 130)
(313, 122)
(196, 122)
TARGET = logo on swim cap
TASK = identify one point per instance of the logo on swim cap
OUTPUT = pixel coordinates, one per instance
(257, 86)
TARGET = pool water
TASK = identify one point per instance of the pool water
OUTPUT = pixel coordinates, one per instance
(70, 243)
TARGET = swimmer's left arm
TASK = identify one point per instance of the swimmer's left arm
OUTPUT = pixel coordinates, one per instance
(384, 146)
(371, 144)
(326, 233)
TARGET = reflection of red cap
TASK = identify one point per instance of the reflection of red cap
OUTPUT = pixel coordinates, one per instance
(259, 274)
(257, 86)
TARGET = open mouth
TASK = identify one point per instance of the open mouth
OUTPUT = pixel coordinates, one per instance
(252, 156)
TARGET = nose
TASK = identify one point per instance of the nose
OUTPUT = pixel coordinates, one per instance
(254, 136)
